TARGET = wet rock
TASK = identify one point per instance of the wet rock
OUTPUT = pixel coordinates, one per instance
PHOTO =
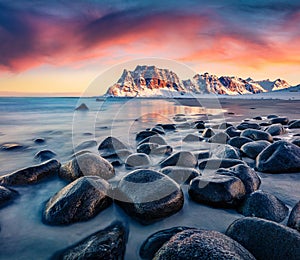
(202, 155)
(6, 195)
(220, 138)
(185, 125)
(280, 157)
(137, 160)
(217, 190)
(192, 138)
(111, 143)
(183, 159)
(81, 200)
(207, 133)
(295, 124)
(144, 134)
(265, 239)
(44, 155)
(155, 241)
(294, 218)
(253, 149)
(225, 151)
(158, 129)
(119, 154)
(264, 124)
(248, 176)
(239, 141)
(82, 107)
(257, 118)
(162, 150)
(276, 129)
(31, 175)
(264, 205)
(219, 163)
(147, 148)
(257, 135)
(224, 125)
(248, 125)
(155, 139)
(296, 142)
(168, 127)
(200, 125)
(201, 244)
(272, 116)
(74, 155)
(85, 145)
(232, 131)
(148, 195)
(12, 147)
(181, 175)
(39, 140)
(109, 243)
(85, 165)
(280, 120)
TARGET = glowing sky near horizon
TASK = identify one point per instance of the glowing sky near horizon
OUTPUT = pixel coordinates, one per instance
(61, 46)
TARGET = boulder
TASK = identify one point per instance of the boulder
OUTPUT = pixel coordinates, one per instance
(144, 134)
(6, 195)
(199, 125)
(109, 243)
(239, 141)
(220, 138)
(232, 131)
(248, 176)
(276, 129)
(248, 125)
(148, 195)
(31, 175)
(85, 165)
(225, 151)
(119, 154)
(257, 118)
(264, 205)
(147, 148)
(280, 157)
(154, 139)
(111, 143)
(295, 124)
(82, 107)
(162, 150)
(207, 133)
(257, 135)
(202, 154)
(218, 163)
(253, 149)
(44, 155)
(158, 129)
(272, 116)
(266, 239)
(217, 190)
(280, 120)
(168, 127)
(183, 159)
(202, 244)
(137, 160)
(81, 200)
(39, 140)
(192, 138)
(294, 218)
(181, 175)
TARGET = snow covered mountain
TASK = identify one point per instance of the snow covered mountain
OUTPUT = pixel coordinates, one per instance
(149, 81)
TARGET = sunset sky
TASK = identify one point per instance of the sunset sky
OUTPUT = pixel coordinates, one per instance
(59, 47)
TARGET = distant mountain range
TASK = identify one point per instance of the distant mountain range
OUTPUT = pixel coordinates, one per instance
(150, 81)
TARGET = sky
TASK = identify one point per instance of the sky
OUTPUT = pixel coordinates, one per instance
(60, 47)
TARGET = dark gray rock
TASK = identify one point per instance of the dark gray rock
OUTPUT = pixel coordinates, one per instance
(248, 125)
(108, 244)
(219, 163)
(224, 125)
(199, 125)
(148, 195)
(280, 157)
(280, 120)
(144, 134)
(82, 107)
(276, 129)
(202, 154)
(207, 133)
(85, 145)
(266, 239)
(264, 205)
(154, 139)
(12, 147)
(162, 150)
(192, 138)
(225, 151)
(217, 190)
(137, 160)
(296, 142)
(220, 138)
(44, 155)
(85, 165)
(232, 131)
(201, 244)
(272, 116)
(183, 159)
(257, 118)
(31, 175)
(265, 124)
(181, 175)
(81, 200)
(39, 140)
(158, 129)
(257, 135)
(119, 154)
(6, 195)
(253, 149)
(294, 218)
(147, 148)
(111, 143)
(239, 141)
(155, 241)
(168, 127)
(248, 176)
(295, 124)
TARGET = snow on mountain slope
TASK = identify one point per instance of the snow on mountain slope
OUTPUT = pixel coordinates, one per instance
(273, 85)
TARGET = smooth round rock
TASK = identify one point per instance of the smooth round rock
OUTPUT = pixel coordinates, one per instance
(276, 129)
(248, 176)
(257, 135)
(266, 239)
(220, 138)
(253, 149)
(295, 125)
(44, 155)
(82, 107)
(294, 218)
(225, 151)
(158, 129)
(6, 195)
(183, 159)
(109, 243)
(39, 140)
(147, 148)
(144, 134)
(207, 133)
(202, 244)
(217, 190)
(85, 145)
(137, 160)
(232, 131)
(148, 196)
(112, 143)
(181, 175)
(81, 200)
(218, 163)
(162, 150)
(87, 164)
(155, 139)
(119, 154)
(192, 138)
(264, 205)
(248, 125)
(239, 141)
(280, 120)
(280, 157)
(168, 127)
(199, 125)
(257, 118)
(12, 147)
(202, 154)
(272, 116)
